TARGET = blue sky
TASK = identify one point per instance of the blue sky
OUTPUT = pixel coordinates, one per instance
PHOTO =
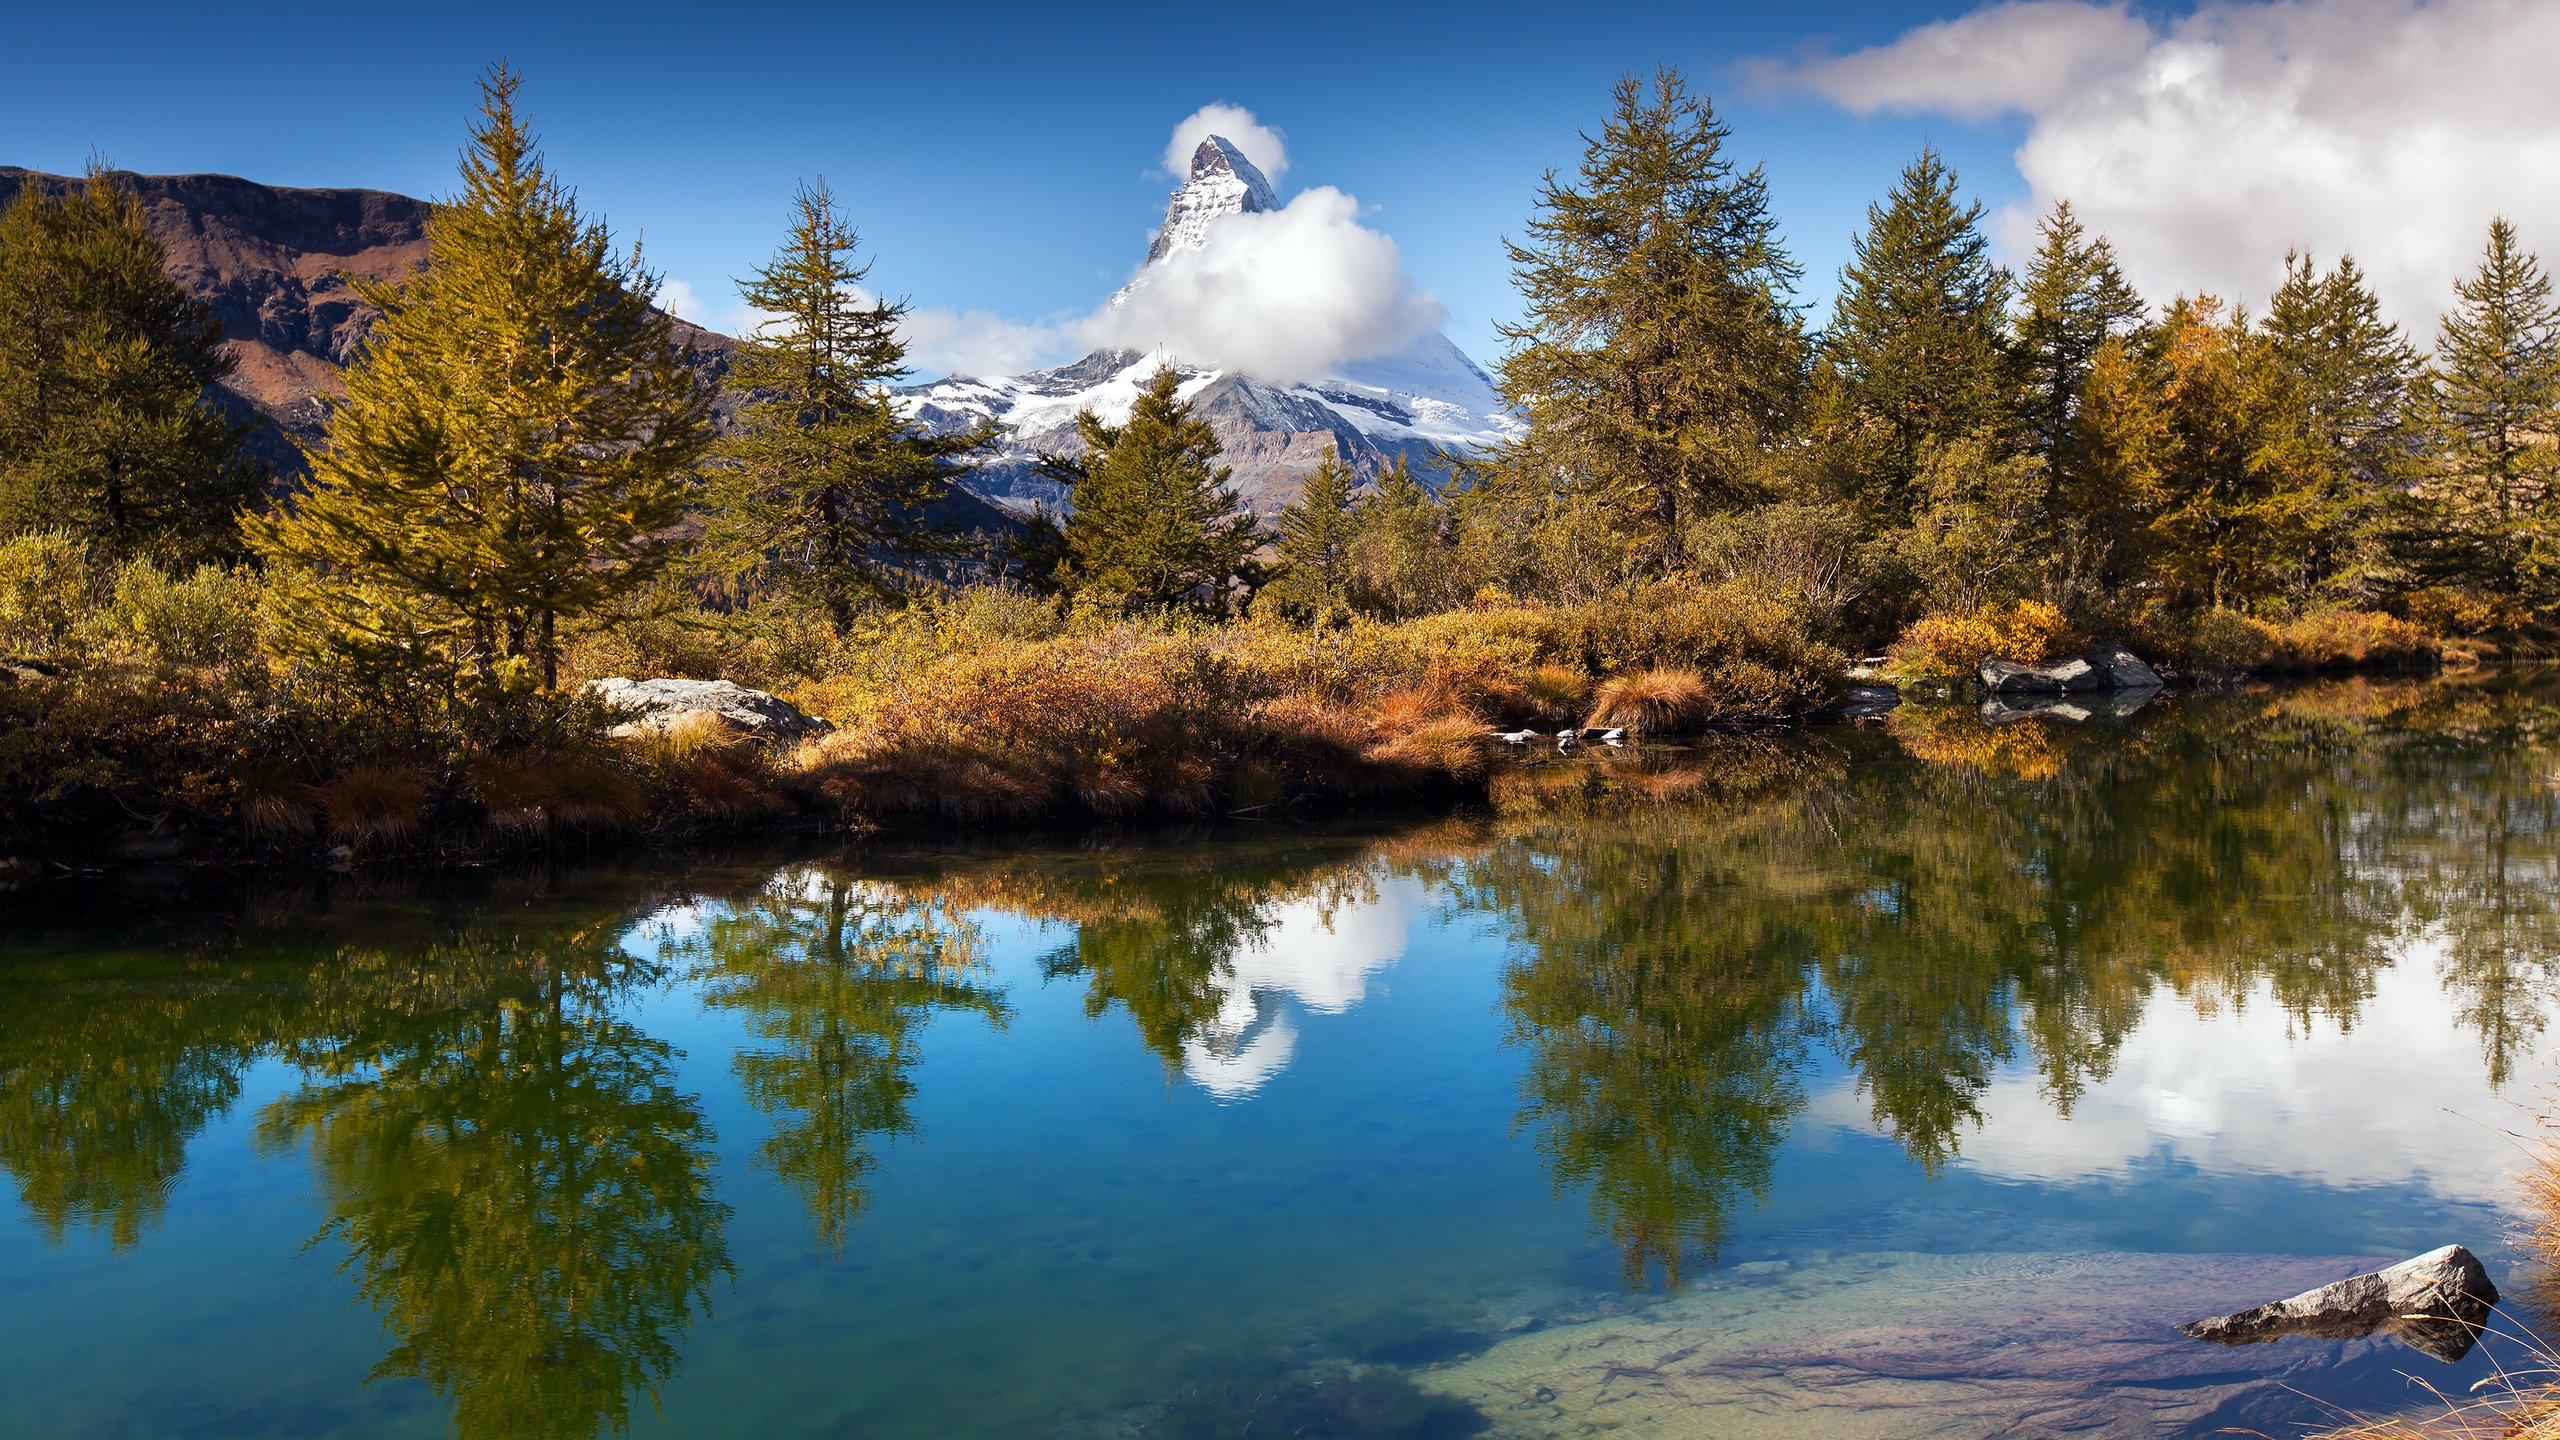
(996, 157)
(1004, 158)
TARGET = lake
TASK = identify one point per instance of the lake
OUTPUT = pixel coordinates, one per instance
(1904, 1078)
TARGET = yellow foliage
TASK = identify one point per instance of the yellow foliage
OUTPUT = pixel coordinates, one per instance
(1941, 646)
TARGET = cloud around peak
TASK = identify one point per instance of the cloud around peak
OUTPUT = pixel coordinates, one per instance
(2208, 145)
(1262, 144)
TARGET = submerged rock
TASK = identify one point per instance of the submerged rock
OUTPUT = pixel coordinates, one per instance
(2434, 1303)
(662, 703)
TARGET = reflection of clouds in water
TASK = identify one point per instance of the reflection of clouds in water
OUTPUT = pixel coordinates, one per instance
(1319, 951)
(2250, 1090)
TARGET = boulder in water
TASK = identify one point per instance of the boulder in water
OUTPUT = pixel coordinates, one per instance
(2434, 1303)
(2107, 667)
(662, 703)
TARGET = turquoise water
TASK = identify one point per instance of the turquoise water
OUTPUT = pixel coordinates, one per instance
(1905, 1078)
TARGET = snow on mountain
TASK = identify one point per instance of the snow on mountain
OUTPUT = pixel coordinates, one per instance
(1419, 400)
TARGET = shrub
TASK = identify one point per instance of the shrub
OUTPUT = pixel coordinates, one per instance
(375, 805)
(2331, 639)
(48, 586)
(2225, 644)
(1954, 645)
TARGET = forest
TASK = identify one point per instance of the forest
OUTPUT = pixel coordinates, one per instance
(1709, 510)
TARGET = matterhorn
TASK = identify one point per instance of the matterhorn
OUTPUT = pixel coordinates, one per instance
(1424, 398)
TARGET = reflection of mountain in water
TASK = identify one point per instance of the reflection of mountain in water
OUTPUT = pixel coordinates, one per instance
(1319, 956)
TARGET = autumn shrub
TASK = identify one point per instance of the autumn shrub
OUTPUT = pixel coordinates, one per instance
(1659, 700)
(2225, 644)
(1953, 645)
(2337, 639)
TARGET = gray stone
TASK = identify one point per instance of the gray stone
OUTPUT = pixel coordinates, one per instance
(662, 703)
(2009, 677)
(2124, 669)
(1864, 700)
(2435, 1304)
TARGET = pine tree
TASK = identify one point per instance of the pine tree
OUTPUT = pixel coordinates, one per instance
(1401, 560)
(516, 438)
(108, 422)
(1661, 354)
(1155, 522)
(826, 489)
(2074, 299)
(2484, 517)
(1317, 531)
(1916, 355)
(2349, 372)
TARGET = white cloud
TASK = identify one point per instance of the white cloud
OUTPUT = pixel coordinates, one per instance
(2022, 56)
(2393, 129)
(1284, 295)
(979, 343)
(1261, 144)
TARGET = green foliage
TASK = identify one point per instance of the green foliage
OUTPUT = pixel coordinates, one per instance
(2483, 515)
(514, 444)
(825, 489)
(2347, 374)
(1660, 353)
(1317, 533)
(1155, 522)
(108, 423)
(1917, 351)
(2074, 299)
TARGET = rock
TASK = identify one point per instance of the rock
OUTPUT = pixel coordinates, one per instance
(2107, 667)
(2124, 669)
(2008, 677)
(1865, 700)
(2113, 705)
(2435, 1304)
(661, 703)
(153, 844)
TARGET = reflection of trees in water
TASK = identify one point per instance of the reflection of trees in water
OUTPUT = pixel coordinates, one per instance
(1675, 967)
(522, 1191)
(838, 977)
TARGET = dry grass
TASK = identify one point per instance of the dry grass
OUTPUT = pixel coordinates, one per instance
(375, 805)
(1658, 701)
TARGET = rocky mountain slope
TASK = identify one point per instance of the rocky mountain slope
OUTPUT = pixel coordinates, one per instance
(274, 263)
(1412, 403)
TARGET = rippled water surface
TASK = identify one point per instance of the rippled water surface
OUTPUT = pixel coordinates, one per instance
(1909, 1078)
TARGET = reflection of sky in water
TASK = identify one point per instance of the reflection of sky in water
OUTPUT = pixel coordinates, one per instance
(2245, 1089)
(1318, 955)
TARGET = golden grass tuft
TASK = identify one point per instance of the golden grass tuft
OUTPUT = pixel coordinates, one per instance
(1658, 701)
(275, 804)
(375, 804)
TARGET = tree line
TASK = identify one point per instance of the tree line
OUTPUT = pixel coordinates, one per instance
(524, 450)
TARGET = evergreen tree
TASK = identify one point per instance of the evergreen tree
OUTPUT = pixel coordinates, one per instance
(2349, 372)
(1155, 522)
(516, 437)
(108, 423)
(828, 490)
(2484, 516)
(1660, 354)
(1401, 559)
(1317, 531)
(2074, 299)
(1916, 355)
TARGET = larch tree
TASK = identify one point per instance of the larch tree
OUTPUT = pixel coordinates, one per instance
(2491, 407)
(109, 424)
(1155, 521)
(1917, 353)
(1660, 354)
(517, 437)
(1316, 534)
(2349, 374)
(825, 489)
(2074, 298)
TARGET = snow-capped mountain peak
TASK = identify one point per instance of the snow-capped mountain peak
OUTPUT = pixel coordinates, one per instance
(1222, 183)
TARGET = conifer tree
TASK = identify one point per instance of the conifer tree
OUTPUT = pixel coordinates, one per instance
(516, 437)
(2348, 372)
(1660, 354)
(1401, 558)
(2073, 299)
(2485, 515)
(827, 490)
(1916, 355)
(1155, 522)
(1316, 533)
(108, 422)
